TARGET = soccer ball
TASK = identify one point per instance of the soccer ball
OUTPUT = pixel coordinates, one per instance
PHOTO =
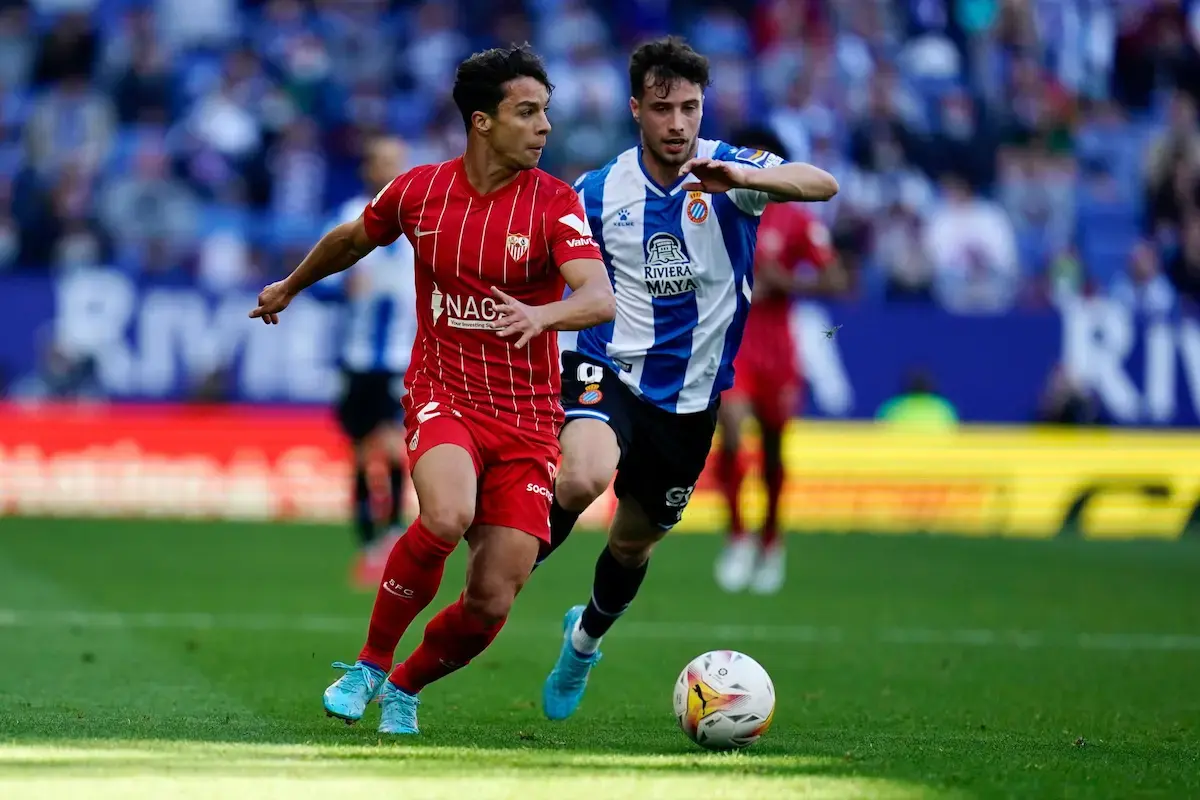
(724, 700)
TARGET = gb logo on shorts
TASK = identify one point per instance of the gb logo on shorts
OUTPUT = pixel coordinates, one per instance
(678, 499)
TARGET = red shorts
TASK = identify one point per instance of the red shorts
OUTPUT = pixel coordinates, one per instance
(515, 467)
(770, 385)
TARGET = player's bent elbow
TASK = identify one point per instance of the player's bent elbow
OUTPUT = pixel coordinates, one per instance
(829, 186)
(824, 187)
(608, 307)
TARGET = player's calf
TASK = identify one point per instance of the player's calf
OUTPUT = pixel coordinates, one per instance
(499, 565)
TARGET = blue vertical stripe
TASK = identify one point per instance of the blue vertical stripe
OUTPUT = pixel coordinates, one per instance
(675, 317)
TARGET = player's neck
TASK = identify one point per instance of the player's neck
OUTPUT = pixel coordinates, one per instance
(484, 173)
(662, 174)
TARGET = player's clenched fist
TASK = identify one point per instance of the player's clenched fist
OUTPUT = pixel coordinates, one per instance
(517, 318)
(271, 301)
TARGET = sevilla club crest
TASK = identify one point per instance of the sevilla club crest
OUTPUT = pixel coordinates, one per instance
(518, 246)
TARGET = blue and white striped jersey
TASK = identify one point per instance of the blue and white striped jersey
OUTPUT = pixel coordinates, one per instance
(681, 264)
(378, 325)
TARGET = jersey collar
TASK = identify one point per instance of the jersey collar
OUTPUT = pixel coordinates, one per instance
(655, 186)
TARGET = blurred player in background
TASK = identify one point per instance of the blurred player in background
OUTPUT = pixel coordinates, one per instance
(794, 258)
(676, 219)
(378, 325)
(494, 239)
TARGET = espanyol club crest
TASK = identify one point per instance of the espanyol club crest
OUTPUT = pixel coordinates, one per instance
(591, 395)
(518, 246)
(697, 209)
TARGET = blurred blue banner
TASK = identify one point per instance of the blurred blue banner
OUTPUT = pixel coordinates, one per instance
(165, 341)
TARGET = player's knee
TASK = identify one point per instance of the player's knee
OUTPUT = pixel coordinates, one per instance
(490, 600)
(576, 488)
(631, 554)
(447, 521)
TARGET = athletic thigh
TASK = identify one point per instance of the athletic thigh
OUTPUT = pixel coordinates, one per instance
(516, 485)
(446, 464)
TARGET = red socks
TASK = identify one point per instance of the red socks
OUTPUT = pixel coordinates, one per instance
(452, 638)
(410, 581)
(731, 474)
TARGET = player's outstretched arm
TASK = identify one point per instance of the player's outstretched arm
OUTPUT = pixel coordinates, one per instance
(337, 250)
(591, 302)
(784, 183)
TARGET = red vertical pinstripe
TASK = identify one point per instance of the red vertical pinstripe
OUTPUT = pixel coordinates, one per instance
(552, 338)
(507, 230)
(533, 201)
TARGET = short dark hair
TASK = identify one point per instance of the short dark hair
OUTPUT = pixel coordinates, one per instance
(666, 61)
(479, 81)
(759, 137)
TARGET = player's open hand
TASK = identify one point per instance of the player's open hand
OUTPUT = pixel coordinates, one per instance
(517, 319)
(712, 176)
(271, 301)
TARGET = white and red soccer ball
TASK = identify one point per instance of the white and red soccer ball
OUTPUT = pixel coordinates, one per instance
(724, 700)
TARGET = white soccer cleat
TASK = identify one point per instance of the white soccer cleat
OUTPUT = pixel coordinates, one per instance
(735, 565)
(770, 572)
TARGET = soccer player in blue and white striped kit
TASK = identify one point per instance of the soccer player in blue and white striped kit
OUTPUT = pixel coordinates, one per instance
(676, 219)
(377, 322)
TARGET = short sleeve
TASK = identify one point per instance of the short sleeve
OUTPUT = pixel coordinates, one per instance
(381, 218)
(748, 200)
(570, 234)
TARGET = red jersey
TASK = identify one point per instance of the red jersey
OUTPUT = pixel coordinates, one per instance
(789, 238)
(514, 238)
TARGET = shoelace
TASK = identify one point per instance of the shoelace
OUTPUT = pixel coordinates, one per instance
(575, 675)
(356, 672)
(405, 706)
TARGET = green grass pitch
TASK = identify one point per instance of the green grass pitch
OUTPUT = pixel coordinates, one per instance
(158, 659)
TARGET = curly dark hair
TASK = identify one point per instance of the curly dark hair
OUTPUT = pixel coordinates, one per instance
(479, 81)
(666, 61)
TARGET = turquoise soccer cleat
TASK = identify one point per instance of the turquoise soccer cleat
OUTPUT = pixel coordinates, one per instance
(399, 710)
(348, 696)
(564, 686)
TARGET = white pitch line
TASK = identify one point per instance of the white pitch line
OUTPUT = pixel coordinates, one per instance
(689, 631)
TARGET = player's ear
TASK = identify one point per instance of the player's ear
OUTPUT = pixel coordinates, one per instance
(481, 122)
(635, 109)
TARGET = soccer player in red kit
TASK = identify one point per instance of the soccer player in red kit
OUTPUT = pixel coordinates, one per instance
(792, 244)
(494, 239)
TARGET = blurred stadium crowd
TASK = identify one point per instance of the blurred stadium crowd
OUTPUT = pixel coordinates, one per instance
(992, 153)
